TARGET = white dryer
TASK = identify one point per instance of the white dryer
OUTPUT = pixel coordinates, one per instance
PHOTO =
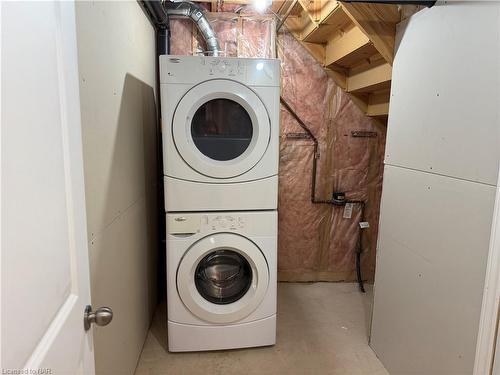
(221, 280)
(220, 125)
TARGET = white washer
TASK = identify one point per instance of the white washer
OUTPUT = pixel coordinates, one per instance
(220, 125)
(221, 280)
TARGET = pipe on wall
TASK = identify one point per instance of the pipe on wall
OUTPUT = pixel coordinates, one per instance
(159, 19)
(158, 12)
(338, 199)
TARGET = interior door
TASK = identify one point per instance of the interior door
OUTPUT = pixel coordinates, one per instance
(44, 260)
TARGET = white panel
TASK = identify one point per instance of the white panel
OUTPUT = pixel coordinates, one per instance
(487, 333)
(45, 278)
(34, 207)
(186, 337)
(121, 271)
(431, 259)
(181, 195)
(182, 224)
(496, 362)
(116, 50)
(445, 94)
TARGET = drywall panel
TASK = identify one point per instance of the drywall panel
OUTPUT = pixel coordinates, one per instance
(496, 360)
(431, 261)
(116, 51)
(126, 288)
(444, 110)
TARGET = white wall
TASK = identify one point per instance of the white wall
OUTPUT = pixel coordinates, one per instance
(116, 50)
(440, 182)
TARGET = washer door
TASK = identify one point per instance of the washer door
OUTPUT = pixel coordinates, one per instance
(222, 278)
(221, 128)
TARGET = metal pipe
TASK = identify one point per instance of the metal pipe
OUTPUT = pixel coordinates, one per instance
(196, 13)
(316, 148)
(158, 18)
(156, 13)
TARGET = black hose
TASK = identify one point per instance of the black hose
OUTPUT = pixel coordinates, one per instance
(358, 272)
(359, 246)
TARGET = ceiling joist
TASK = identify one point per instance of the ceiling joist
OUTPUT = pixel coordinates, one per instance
(354, 42)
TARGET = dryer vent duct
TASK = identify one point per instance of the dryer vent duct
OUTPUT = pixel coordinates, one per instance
(196, 13)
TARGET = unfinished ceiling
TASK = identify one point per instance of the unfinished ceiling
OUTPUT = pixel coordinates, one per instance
(354, 42)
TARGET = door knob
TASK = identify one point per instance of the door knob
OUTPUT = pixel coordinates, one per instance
(102, 316)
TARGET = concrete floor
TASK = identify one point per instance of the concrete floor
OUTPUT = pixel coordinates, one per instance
(322, 329)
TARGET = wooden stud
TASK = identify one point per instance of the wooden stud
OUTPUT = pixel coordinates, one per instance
(378, 104)
(316, 50)
(361, 100)
(348, 44)
(338, 77)
(376, 77)
(378, 22)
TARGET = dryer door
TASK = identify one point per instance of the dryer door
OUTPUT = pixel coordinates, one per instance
(222, 278)
(221, 128)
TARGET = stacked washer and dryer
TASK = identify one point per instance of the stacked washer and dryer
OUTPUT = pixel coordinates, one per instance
(220, 124)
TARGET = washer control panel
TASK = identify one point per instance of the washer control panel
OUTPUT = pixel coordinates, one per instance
(222, 223)
(195, 225)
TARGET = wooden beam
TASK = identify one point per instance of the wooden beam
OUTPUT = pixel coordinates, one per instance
(349, 43)
(339, 78)
(294, 25)
(361, 101)
(306, 13)
(329, 20)
(378, 22)
(316, 50)
(376, 77)
(378, 104)
(308, 28)
(279, 7)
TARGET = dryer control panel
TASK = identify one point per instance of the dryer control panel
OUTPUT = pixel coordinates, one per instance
(223, 67)
(196, 69)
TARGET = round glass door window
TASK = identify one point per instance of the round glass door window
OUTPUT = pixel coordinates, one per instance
(223, 277)
(221, 129)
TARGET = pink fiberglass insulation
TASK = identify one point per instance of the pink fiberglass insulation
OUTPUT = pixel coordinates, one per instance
(315, 241)
(181, 41)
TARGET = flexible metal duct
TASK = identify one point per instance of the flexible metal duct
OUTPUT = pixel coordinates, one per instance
(193, 11)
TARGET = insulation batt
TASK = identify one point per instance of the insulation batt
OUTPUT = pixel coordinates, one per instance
(315, 242)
